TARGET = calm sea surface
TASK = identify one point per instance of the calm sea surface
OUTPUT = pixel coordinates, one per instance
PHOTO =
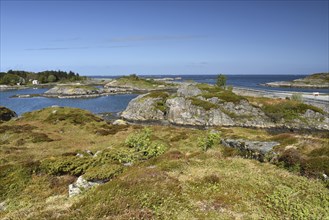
(117, 103)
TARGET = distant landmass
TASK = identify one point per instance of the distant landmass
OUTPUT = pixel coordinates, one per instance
(316, 80)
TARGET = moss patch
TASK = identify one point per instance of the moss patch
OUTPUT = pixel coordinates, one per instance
(203, 104)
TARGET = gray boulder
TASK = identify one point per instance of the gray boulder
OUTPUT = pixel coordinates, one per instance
(252, 149)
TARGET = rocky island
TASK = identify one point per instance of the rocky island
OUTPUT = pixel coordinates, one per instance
(317, 80)
(138, 84)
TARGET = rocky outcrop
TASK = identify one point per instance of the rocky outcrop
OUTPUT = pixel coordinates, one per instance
(143, 108)
(247, 115)
(6, 114)
(190, 106)
(251, 149)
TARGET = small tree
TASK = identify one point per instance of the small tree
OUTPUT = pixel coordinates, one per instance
(221, 81)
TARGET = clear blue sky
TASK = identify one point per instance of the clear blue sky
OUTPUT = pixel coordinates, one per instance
(165, 37)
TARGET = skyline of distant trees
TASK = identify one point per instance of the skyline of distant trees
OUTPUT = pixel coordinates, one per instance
(12, 77)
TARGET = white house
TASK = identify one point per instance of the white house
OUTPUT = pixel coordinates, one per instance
(35, 82)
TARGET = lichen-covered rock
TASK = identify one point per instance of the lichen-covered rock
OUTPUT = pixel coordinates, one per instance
(253, 149)
(183, 112)
(143, 109)
(6, 114)
(188, 90)
(310, 120)
(246, 115)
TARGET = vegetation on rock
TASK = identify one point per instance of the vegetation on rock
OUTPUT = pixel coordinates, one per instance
(137, 83)
(223, 94)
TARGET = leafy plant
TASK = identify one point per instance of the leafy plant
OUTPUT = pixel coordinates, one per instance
(209, 141)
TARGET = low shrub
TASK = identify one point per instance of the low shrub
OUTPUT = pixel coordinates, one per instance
(291, 159)
(316, 167)
(209, 141)
(142, 143)
(104, 172)
(40, 137)
(121, 155)
(72, 165)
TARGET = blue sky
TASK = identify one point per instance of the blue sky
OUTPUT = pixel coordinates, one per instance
(165, 37)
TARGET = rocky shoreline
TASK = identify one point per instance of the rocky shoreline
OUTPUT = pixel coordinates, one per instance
(316, 81)
(295, 85)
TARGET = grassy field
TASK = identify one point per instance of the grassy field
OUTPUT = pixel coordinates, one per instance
(173, 175)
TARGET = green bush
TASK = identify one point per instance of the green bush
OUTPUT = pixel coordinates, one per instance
(104, 172)
(122, 155)
(72, 165)
(142, 144)
(209, 141)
